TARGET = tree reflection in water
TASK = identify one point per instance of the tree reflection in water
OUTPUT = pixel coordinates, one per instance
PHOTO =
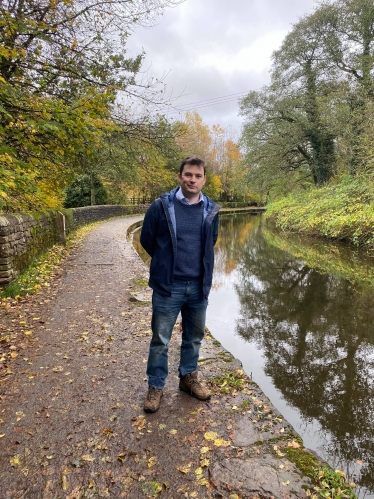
(316, 331)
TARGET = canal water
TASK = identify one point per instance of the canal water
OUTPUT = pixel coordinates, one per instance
(299, 315)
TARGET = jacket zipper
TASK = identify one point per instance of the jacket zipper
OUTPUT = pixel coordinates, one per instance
(168, 222)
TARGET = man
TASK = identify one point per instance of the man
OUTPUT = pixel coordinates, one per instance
(179, 232)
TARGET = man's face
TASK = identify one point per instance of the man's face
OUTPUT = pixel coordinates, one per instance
(192, 180)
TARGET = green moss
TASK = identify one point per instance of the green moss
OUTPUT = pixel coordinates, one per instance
(303, 459)
(140, 283)
(327, 482)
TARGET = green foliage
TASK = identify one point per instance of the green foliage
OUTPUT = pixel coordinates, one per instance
(62, 64)
(341, 210)
(332, 485)
(315, 118)
(79, 192)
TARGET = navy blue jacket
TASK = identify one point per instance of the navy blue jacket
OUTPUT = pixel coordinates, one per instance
(158, 238)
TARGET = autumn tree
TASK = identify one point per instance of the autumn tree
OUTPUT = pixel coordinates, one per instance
(62, 63)
(221, 154)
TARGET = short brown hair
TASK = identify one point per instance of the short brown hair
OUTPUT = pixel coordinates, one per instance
(192, 160)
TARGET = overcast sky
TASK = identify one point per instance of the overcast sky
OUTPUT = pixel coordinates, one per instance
(208, 50)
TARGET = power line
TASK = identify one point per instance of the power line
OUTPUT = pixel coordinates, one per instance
(208, 102)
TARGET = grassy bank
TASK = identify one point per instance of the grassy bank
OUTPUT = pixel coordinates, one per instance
(342, 210)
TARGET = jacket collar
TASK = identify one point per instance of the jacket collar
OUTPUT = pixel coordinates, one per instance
(209, 204)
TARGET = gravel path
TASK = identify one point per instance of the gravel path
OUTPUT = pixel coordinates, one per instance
(71, 419)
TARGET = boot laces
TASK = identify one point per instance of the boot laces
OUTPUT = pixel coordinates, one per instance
(193, 382)
(152, 393)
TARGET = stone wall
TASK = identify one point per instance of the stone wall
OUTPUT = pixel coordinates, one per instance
(24, 236)
(88, 214)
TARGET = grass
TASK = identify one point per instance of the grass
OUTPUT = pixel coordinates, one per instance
(341, 210)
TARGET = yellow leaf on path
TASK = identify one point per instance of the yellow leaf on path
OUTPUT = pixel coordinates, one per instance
(198, 471)
(204, 450)
(3, 435)
(185, 469)
(220, 442)
(15, 461)
(152, 461)
(286, 483)
(204, 462)
(64, 483)
(210, 435)
(282, 430)
(88, 458)
(14, 355)
(294, 444)
(27, 333)
(173, 432)
(140, 422)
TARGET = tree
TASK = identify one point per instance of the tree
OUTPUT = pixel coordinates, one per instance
(62, 63)
(79, 193)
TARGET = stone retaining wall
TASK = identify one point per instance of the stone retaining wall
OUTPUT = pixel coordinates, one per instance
(24, 236)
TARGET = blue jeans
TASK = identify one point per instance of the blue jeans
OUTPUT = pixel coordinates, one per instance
(186, 297)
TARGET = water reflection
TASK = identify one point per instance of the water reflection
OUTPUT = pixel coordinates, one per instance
(303, 317)
(315, 331)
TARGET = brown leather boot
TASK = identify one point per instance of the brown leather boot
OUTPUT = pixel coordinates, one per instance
(153, 399)
(191, 385)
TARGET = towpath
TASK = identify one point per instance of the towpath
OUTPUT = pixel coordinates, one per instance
(71, 418)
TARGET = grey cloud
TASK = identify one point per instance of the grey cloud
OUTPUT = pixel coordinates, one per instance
(195, 47)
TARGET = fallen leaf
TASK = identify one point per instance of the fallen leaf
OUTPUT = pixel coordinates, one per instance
(184, 469)
(204, 450)
(220, 442)
(173, 432)
(14, 355)
(65, 483)
(286, 483)
(140, 422)
(152, 461)
(88, 458)
(294, 444)
(210, 435)
(15, 461)
(151, 489)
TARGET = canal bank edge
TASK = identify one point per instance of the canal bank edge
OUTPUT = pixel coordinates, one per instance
(266, 455)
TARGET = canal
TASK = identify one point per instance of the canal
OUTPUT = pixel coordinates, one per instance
(299, 315)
